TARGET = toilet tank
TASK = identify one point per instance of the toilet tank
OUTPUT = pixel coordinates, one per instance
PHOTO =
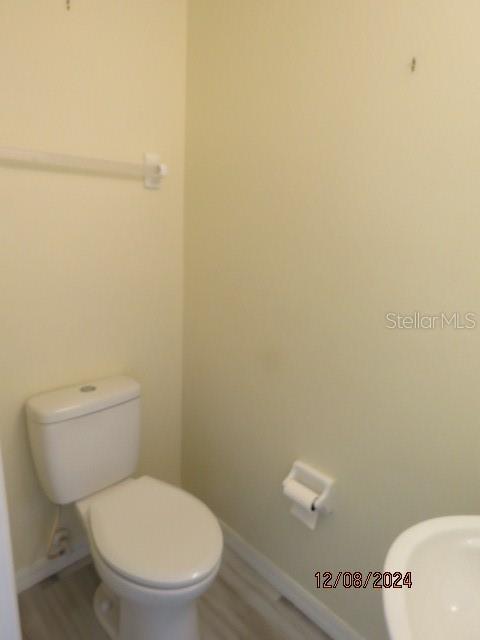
(85, 437)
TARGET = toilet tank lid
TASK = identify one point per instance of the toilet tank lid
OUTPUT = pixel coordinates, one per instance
(81, 399)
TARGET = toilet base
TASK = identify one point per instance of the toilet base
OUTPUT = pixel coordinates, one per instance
(158, 623)
(127, 620)
(105, 605)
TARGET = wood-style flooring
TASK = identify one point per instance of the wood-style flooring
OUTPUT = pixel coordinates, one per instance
(240, 605)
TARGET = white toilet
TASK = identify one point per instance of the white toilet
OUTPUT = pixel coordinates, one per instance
(156, 547)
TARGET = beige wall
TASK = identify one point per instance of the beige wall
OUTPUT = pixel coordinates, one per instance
(90, 268)
(326, 186)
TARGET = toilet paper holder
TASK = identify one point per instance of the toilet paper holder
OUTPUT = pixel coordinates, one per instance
(310, 493)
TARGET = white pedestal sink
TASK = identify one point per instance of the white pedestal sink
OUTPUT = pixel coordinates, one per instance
(443, 555)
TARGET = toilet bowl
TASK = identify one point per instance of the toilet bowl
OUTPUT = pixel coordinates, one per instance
(156, 547)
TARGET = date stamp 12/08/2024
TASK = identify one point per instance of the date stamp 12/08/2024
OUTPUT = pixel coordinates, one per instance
(360, 580)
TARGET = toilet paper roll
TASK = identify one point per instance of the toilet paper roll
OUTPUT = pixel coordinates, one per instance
(300, 494)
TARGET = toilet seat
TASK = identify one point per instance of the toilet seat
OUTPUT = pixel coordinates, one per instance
(155, 534)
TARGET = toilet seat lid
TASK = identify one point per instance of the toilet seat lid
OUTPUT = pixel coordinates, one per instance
(156, 534)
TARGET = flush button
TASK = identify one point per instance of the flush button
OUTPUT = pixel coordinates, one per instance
(87, 388)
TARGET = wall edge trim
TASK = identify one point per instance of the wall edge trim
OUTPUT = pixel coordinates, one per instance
(43, 568)
(310, 606)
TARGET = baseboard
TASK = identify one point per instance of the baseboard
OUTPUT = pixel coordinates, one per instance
(44, 568)
(310, 606)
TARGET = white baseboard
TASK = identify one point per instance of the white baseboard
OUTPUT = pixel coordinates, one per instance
(44, 568)
(313, 608)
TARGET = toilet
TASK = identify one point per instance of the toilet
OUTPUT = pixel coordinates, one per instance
(156, 547)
